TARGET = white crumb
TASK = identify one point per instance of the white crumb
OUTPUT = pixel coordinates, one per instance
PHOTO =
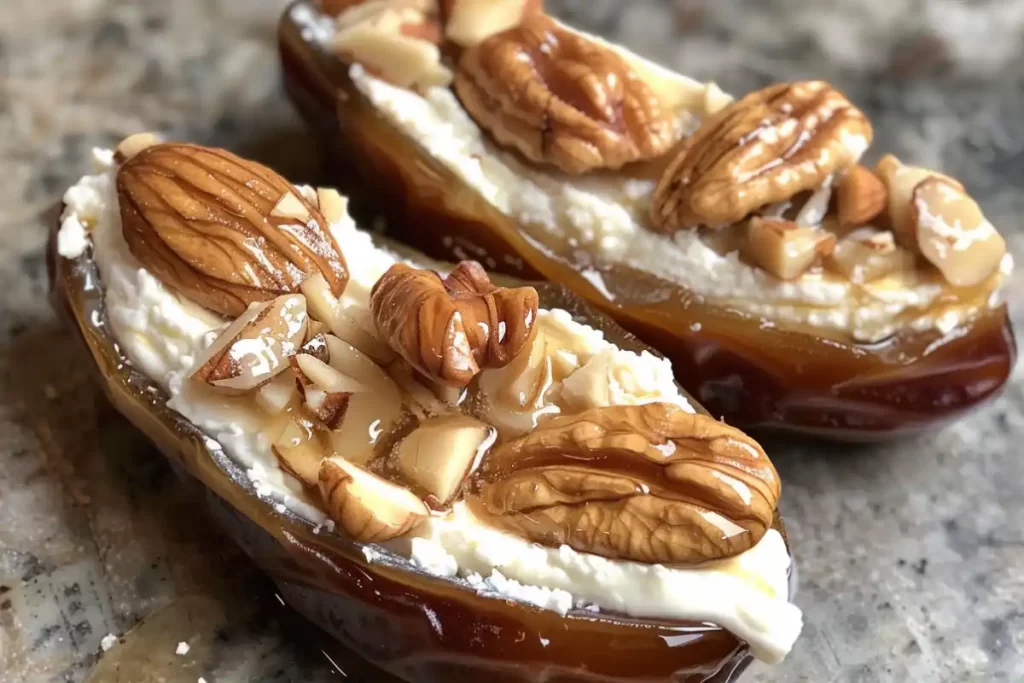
(108, 641)
(182, 649)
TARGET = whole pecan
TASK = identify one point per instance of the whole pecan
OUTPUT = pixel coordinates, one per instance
(562, 99)
(206, 223)
(761, 149)
(650, 483)
(451, 328)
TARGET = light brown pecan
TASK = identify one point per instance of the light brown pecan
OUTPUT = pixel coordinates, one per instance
(761, 149)
(206, 223)
(562, 99)
(649, 483)
(451, 328)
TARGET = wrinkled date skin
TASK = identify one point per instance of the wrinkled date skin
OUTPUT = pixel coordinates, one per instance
(417, 627)
(754, 376)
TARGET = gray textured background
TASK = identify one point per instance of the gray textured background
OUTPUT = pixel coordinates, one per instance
(912, 554)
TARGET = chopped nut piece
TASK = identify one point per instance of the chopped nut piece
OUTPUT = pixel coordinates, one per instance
(866, 255)
(255, 347)
(200, 220)
(275, 396)
(860, 198)
(451, 328)
(785, 249)
(469, 22)
(396, 40)
(953, 233)
(299, 451)
(522, 393)
(332, 205)
(369, 509)
(439, 454)
(371, 413)
(649, 483)
(759, 150)
(133, 144)
(289, 206)
(353, 324)
(562, 99)
(325, 391)
(901, 179)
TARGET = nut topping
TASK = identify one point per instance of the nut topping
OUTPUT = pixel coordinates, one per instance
(396, 40)
(469, 22)
(953, 234)
(440, 452)
(860, 198)
(759, 150)
(368, 508)
(562, 99)
(451, 328)
(200, 220)
(371, 413)
(866, 255)
(133, 144)
(901, 179)
(785, 249)
(325, 391)
(256, 346)
(932, 215)
(649, 483)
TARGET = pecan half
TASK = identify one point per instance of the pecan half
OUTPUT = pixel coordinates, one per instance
(562, 99)
(761, 149)
(449, 329)
(649, 483)
(203, 221)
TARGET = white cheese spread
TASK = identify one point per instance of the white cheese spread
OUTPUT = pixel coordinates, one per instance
(162, 334)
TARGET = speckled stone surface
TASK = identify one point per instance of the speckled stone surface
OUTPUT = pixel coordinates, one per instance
(911, 554)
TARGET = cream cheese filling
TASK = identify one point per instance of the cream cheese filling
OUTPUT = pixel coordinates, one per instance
(162, 334)
(605, 214)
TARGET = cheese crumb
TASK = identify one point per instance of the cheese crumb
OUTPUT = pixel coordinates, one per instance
(182, 649)
(108, 641)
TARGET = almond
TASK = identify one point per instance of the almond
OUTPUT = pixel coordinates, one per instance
(953, 233)
(366, 507)
(860, 198)
(256, 346)
(468, 22)
(202, 221)
(785, 249)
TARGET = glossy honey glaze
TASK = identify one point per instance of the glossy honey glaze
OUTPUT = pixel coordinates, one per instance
(418, 627)
(749, 371)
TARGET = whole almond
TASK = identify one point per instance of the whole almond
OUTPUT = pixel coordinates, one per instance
(203, 221)
(860, 197)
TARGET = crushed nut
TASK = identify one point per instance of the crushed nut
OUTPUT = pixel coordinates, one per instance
(759, 150)
(133, 144)
(369, 509)
(650, 483)
(562, 99)
(396, 40)
(469, 22)
(784, 248)
(440, 453)
(255, 347)
(867, 254)
(953, 233)
(200, 220)
(451, 328)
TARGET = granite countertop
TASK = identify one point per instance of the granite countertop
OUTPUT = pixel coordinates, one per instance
(911, 553)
